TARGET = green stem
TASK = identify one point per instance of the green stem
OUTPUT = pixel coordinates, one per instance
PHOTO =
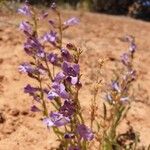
(45, 111)
(49, 72)
(79, 106)
(53, 71)
(60, 29)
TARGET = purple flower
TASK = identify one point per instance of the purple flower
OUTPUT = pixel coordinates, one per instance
(25, 10)
(48, 122)
(58, 90)
(130, 75)
(25, 68)
(125, 59)
(24, 26)
(53, 58)
(59, 77)
(50, 37)
(52, 94)
(34, 47)
(66, 55)
(40, 53)
(71, 72)
(40, 70)
(29, 46)
(35, 109)
(132, 48)
(109, 98)
(29, 89)
(69, 136)
(68, 108)
(72, 80)
(56, 119)
(115, 86)
(72, 21)
(32, 92)
(85, 132)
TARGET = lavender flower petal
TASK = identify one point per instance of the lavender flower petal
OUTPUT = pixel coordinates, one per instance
(56, 119)
(109, 98)
(66, 55)
(60, 90)
(29, 89)
(40, 53)
(25, 68)
(48, 122)
(125, 59)
(85, 132)
(69, 136)
(24, 26)
(50, 37)
(35, 109)
(68, 108)
(70, 70)
(52, 95)
(52, 58)
(59, 77)
(74, 80)
(132, 48)
(71, 22)
(25, 10)
(115, 86)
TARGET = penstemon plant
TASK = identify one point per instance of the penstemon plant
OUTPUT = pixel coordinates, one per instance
(57, 74)
(118, 96)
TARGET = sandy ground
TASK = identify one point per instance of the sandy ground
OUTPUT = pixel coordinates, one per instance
(98, 35)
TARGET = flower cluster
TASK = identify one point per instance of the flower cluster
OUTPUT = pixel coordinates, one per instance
(59, 88)
(120, 86)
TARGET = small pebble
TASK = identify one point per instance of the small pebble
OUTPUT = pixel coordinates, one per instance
(1, 60)
(9, 130)
(15, 112)
(1, 78)
(2, 118)
(25, 112)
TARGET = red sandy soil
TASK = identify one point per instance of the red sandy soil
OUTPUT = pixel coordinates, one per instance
(98, 35)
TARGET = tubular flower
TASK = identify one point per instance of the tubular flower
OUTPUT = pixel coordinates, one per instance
(56, 119)
(85, 132)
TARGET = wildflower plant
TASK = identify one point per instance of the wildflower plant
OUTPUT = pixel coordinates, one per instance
(58, 76)
(119, 97)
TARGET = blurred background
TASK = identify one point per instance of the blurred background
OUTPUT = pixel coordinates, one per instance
(139, 9)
